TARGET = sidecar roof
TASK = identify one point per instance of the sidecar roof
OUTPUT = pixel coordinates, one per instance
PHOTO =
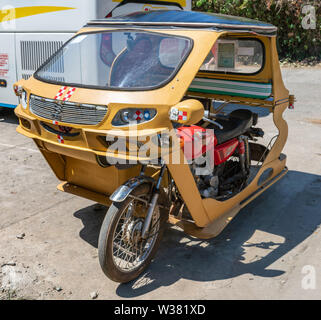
(188, 19)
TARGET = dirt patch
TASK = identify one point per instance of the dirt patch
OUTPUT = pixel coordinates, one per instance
(313, 121)
(300, 65)
(306, 63)
(8, 294)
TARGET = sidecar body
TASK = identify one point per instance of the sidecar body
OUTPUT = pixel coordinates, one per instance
(100, 80)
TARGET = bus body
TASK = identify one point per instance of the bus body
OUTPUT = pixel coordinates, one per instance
(30, 33)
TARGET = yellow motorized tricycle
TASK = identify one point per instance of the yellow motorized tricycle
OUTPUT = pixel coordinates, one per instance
(134, 112)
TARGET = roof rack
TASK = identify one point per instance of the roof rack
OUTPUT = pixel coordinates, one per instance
(188, 19)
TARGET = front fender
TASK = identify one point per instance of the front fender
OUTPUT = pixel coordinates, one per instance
(122, 192)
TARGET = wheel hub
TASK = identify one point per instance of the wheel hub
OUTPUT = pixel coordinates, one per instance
(133, 231)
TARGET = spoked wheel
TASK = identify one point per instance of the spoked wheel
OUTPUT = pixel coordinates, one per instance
(123, 253)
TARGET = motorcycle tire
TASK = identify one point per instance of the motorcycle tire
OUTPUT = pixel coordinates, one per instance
(107, 243)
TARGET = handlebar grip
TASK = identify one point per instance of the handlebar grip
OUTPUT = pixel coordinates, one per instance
(214, 122)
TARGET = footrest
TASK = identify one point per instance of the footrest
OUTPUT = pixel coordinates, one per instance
(85, 193)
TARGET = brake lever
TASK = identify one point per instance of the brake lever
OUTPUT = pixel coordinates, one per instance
(213, 122)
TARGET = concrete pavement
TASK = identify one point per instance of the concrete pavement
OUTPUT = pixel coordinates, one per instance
(262, 254)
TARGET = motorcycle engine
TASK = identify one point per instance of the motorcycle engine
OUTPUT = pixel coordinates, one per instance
(208, 185)
(222, 182)
(211, 184)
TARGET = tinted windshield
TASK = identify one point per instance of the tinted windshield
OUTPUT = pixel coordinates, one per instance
(118, 60)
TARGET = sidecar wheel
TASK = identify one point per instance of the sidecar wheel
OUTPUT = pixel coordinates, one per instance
(123, 255)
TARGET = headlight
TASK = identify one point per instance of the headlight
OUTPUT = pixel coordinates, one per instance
(132, 116)
(23, 100)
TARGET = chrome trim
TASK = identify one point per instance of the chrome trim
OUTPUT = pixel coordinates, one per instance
(184, 24)
(67, 112)
(124, 190)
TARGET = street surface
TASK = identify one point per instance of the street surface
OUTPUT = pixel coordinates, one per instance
(265, 253)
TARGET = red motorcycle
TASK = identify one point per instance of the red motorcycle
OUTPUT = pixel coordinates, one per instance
(226, 146)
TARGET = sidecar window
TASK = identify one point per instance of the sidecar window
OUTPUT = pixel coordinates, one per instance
(232, 55)
(117, 60)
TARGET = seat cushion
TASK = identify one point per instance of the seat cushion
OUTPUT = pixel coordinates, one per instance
(238, 123)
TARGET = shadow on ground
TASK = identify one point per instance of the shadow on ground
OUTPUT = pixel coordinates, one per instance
(289, 210)
(7, 115)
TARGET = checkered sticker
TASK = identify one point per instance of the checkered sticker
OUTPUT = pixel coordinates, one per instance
(64, 93)
(182, 115)
(60, 93)
(69, 93)
(61, 139)
(177, 115)
(138, 115)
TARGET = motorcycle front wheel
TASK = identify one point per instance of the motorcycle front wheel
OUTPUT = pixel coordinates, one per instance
(123, 254)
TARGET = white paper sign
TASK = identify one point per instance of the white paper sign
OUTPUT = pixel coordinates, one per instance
(246, 51)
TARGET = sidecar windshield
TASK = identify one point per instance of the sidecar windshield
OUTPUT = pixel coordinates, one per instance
(117, 60)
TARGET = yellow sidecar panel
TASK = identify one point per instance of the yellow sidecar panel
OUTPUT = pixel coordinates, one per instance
(139, 67)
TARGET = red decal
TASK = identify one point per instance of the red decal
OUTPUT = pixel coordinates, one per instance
(61, 139)
(69, 94)
(138, 115)
(182, 115)
(60, 93)
(4, 64)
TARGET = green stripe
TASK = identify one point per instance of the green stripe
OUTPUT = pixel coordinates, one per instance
(228, 93)
(231, 86)
(247, 82)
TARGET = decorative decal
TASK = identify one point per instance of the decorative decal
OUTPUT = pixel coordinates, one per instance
(69, 94)
(146, 115)
(61, 139)
(60, 93)
(23, 12)
(4, 64)
(182, 115)
(138, 115)
(178, 115)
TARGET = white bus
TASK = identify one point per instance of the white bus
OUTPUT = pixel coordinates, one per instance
(31, 31)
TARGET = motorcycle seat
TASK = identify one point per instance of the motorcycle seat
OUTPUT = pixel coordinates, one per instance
(238, 122)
